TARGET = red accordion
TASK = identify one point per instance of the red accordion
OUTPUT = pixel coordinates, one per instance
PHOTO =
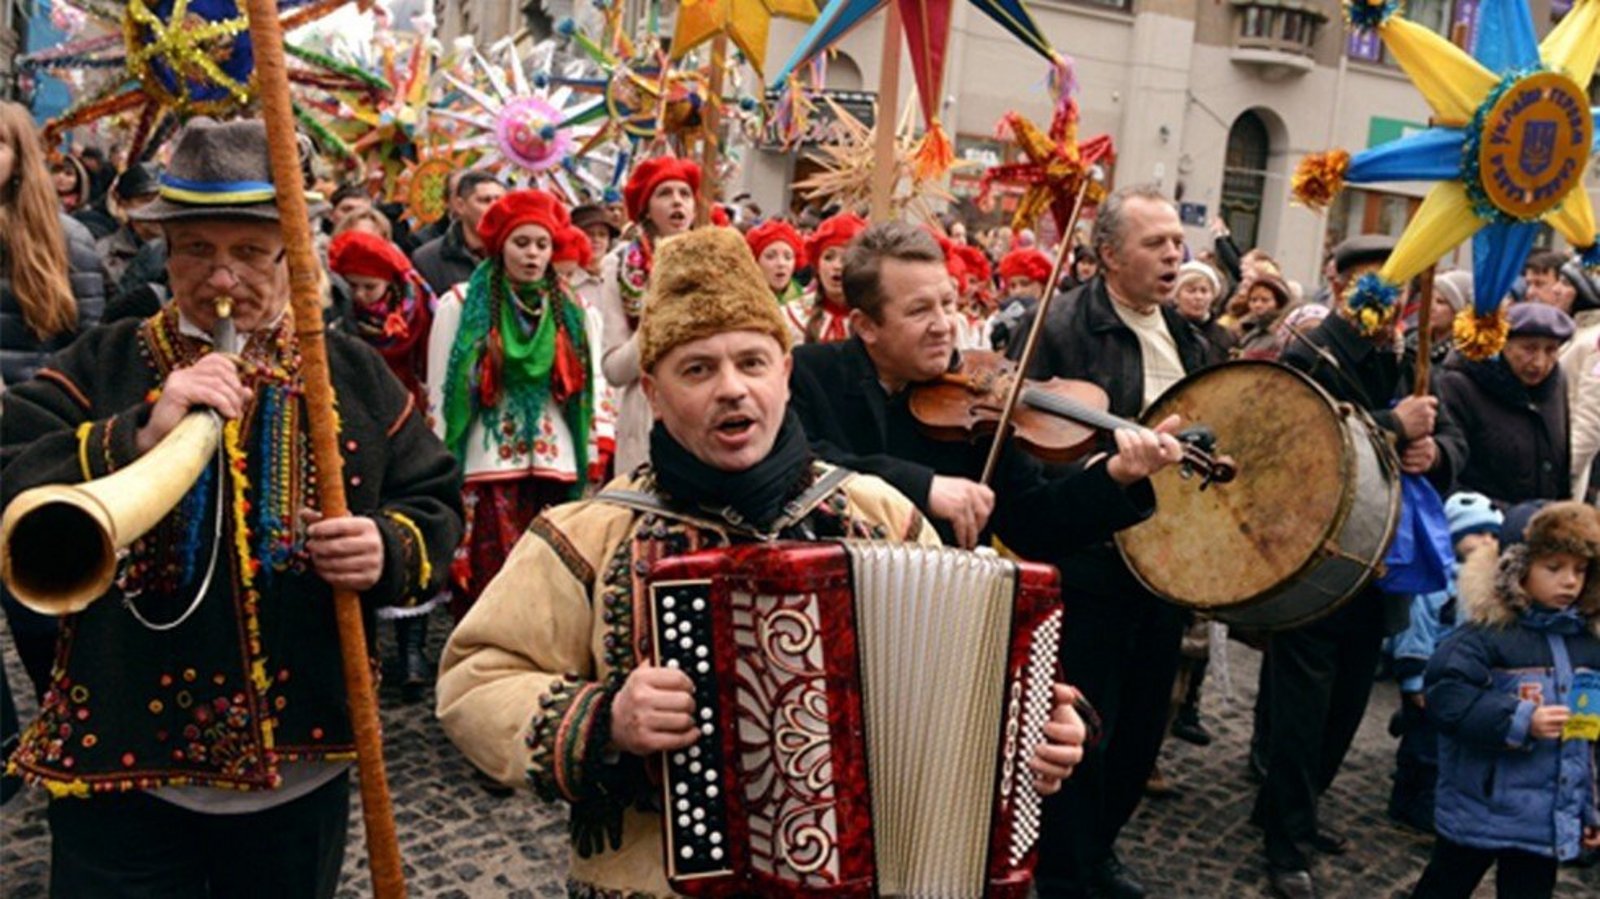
(867, 713)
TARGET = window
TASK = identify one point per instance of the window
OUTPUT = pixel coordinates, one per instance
(1244, 178)
(1119, 5)
(1455, 19)
(1285, 26)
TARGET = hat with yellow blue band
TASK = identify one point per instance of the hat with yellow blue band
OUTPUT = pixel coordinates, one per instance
(218, 170)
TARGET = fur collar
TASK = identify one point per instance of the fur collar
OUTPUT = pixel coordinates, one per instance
(1491, 593)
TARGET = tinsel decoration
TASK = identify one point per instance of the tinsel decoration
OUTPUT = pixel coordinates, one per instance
(1471, 176)
(934, 154)
(1589, 257)
(1319, 177)
(1479, 337)
(1372, 303)
(1366, 14)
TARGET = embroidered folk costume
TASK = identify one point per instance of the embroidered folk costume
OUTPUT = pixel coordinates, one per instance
(528, 678)
(511, 388)
(624, 277)
(214, 660)
(822, 315)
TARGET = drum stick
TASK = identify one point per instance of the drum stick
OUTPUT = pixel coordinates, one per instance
(1001, 431)
(1419, 386)
(272, 85)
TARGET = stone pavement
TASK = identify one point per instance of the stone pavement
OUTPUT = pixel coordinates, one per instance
(461, 843)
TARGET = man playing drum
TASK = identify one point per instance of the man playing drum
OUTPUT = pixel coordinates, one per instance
(544, 682)
(195, 738)
(1318, 677)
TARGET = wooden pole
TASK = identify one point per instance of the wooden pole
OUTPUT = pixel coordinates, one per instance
(709, 140)
(1424, 333)
(272, 86)
(883, 155)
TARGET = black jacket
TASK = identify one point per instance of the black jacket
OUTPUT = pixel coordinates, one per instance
(1373, 380)
(445, 261)
(1084, 340)
(852, 422)
(1518, 438)
(21, 350)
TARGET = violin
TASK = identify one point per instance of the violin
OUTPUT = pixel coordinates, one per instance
(1058, 420)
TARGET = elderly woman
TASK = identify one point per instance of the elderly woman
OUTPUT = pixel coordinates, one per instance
(1199, 285)
(1513, 410)
(1265, 300)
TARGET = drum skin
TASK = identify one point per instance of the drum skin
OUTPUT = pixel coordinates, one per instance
(1304, 526)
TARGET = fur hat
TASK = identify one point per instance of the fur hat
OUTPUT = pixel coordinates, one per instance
(651, 174)
(834, 232)
(1030, 264)
(772, 231)
(218, 170)
(523, 207)
(705, 282)
(1491, 589)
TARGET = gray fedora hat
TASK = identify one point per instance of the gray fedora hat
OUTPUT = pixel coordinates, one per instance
(218, 170)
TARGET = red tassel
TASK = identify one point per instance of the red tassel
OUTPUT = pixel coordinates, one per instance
(567, 377)
(489, 370)
(395, 326)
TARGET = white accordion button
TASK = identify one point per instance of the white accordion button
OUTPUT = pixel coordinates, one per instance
(700, 815)
(716, 839)
(716, 854)
(699, 830)
(683, 789)
(668, 602)
(669, 618)
(708, 729)
(711, 792)
(706, 713)
(672, 663)
(702, 666)
(670, 634)
(683, 820)
(699, 605)
(687, 852)
(711, 776)
(678, 758)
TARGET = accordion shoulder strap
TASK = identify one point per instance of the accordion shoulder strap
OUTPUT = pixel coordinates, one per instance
(831, 478)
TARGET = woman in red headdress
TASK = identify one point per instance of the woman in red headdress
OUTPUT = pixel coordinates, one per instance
(822, 315)
(511, 382)
(778, 248)
(660, 197)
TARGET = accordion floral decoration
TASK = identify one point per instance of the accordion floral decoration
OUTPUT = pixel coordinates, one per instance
(1511, 138)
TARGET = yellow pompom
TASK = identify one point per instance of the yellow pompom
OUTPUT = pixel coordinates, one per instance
(1319, 178)
(1478, 337)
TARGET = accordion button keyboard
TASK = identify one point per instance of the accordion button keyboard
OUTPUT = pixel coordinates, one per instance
(698, 823)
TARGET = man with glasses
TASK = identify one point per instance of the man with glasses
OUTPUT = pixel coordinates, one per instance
(195, 737)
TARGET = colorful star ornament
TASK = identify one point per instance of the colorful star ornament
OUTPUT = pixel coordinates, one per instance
(1512, 136)
(172, 59)
(745, 21)
(1057, 163)
(927, 31)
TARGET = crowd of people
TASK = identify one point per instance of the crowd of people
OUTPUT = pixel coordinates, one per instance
(538, 400)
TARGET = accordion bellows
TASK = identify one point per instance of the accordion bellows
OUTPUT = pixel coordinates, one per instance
(866, 714)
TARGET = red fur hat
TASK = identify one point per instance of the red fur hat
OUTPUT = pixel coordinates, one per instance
(367, 255)
(523, 207)
(1030, 264)
(833, 232)
(651, 174)
(574, 246)
(772, 231)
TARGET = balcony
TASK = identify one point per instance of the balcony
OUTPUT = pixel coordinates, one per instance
(1277, 37)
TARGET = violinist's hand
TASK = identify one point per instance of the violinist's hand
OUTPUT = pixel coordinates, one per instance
(1142, 452)
(965, 504)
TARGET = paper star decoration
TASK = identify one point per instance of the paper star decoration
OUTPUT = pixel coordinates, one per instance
(746, 21)
(1512, 137)
(172, 59)
(1057, 162)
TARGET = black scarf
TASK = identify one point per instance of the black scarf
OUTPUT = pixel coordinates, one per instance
(757, 494)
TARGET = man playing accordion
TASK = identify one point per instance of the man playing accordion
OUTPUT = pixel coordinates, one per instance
(545, 682)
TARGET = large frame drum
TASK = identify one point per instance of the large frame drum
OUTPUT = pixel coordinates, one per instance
(1304, 526)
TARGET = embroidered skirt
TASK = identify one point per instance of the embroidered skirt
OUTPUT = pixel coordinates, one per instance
(498, 512)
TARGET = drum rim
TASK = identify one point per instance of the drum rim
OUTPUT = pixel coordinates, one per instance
(1346, 501)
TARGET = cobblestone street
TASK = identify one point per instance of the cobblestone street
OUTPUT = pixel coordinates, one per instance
(458, 841)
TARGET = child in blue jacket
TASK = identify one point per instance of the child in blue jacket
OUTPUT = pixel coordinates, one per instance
(1474, 522)
(1512, 791)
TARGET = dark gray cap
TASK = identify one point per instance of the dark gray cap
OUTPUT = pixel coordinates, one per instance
(1362, 250)
(1539, 320)
(218, 170)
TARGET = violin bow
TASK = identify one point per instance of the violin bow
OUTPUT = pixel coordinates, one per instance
(272, 86)
(1003, 429)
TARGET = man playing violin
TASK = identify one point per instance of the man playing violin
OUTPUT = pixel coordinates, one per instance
(852, 396)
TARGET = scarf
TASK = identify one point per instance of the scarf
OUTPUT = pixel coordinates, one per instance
(518, 352)
(633, 276)
(758, 493)
(398, 328)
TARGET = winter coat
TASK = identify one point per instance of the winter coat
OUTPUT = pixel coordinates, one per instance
(21, 351)
(1518, 446)
(446, 261)
(1578, 361)
(1433, 617)
(1499, 788)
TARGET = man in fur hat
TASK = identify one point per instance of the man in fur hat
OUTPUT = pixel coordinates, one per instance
(195, 738)
(543, 684)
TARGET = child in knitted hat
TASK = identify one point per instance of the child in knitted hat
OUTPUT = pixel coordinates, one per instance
(1474, 522)
(1516, 761)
